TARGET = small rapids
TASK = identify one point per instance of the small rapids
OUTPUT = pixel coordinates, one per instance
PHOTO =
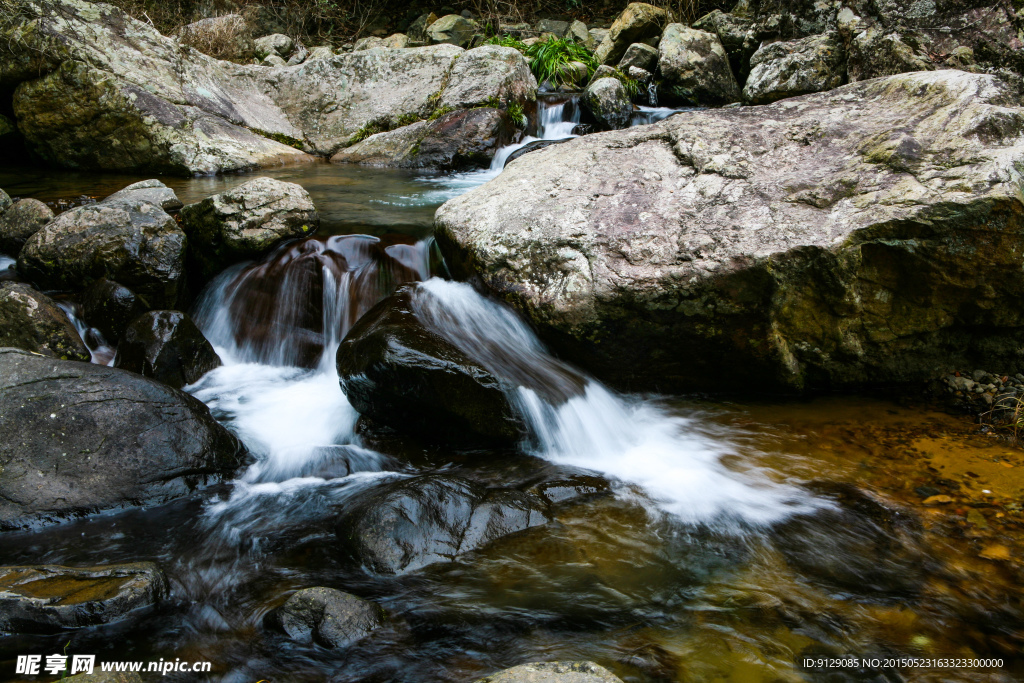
(676, 461)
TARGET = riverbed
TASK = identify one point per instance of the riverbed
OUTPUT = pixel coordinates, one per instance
(716, 540)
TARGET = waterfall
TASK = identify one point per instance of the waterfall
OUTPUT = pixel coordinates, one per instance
(100, 351)
(652, 94)
(676, 460)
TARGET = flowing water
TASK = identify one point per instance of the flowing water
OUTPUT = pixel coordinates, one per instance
(726, 542)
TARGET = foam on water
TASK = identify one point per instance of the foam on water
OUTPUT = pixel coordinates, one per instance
(676, 459)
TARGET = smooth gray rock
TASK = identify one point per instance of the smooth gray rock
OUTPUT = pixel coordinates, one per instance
(639, 55)
(246, 222)
(488, 73)
(127, 239)
(78, 438)
(553, 672)
(42, 599)
(326, 616)
(32, 321)
(22, 220)
(797, 67)
(871, 234)
(608, 102)
(558, 28)
(694, 68)
(578, 31)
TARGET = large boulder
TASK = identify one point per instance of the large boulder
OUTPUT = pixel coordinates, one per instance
(738, 38)
(553, 672)
(400, 374)
(467, 138)
(694, 68)
(94, 88)
(32, 321)
(639, 21)
(126, 239)
(326, 616)
(77, 438)
(867, 235)
(489, 74)
(608, 102)
(109, 306)
(42, 599)
(21, 221)
(453, 29)
(402, 526)
(796, 67)
(246, 222)
(275, 44)
(167, 346)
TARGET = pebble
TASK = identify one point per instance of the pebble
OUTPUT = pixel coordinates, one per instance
(941, 499)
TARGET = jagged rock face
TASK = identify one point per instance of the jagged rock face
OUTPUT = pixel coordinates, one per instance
(76, 438)
(737, 37)
(695, 68)
(463, 139)
(869, 234)
(127, 239)
(246, 222)
(797, 67)
(873, 53)
(32, 321)
(97, 89)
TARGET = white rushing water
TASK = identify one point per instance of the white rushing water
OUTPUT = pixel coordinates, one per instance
(677, 460)
(277, 326)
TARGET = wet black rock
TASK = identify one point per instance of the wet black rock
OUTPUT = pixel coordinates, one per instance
(411, 523)
(167, 346)
(402, 375)
(77, 438)
(43, 599)
(861, 544)
(554, 672)
(532, 147)
(21, 221)
(32, 321)
(128, 239)
(109, 306)
(571, 488)
(326, 616)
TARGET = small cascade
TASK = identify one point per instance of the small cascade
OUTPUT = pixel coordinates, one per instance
(293, 309)
(101, 351)
(652, 94)
(7, 271)
(677, 461)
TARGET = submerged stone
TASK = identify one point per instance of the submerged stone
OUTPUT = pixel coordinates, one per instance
(326, 616)
(554, 672)
(41, 599)
(412, 523)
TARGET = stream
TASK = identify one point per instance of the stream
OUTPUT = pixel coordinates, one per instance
(722, 541)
